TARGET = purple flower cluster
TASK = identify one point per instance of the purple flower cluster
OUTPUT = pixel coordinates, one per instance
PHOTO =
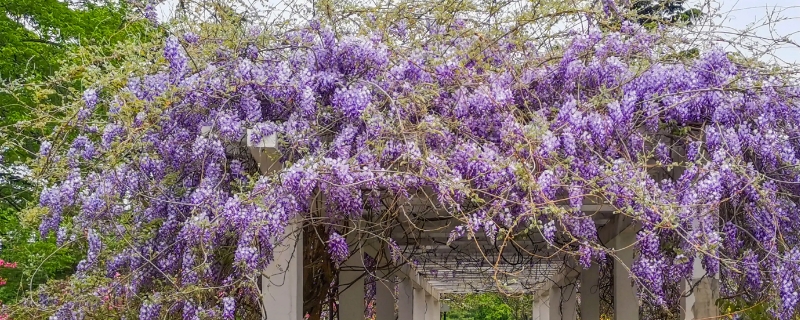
(650, 267)
(178, 61)
(95, 245)
(149, 311)
(228, 308)
(337, 247)
(351, 102)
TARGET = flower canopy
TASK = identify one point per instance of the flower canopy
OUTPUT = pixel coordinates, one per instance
(701, 152)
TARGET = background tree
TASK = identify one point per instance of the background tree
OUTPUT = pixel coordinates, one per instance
(650, 13)
(485, 306)
(37, 38)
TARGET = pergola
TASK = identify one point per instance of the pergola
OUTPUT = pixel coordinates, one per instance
(431, 265)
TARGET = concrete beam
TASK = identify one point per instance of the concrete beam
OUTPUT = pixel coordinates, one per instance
(418, 281)
(615, 226)
(567, 271)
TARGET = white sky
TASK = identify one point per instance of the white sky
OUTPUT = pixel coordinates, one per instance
(741, 14)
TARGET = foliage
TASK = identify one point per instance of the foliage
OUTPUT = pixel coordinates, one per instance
(737, 307)
(37, 35)
(146, 168)
(489, 306)
(37, 261)
(654, 12)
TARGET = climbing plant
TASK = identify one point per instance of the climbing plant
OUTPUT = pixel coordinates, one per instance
(507, 128)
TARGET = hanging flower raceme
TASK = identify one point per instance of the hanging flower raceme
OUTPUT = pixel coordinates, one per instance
(338, 249)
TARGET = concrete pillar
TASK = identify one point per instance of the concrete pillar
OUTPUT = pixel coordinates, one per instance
(590, 293)
(420, 304)
(554, 303)
(385, 300)
(437, 306)
(405, 299)
(563, 300)
(541, 306)
(700, 304)
(569, 298)
(433, 308)
(626, 305)
(282, 283)
(351, 288)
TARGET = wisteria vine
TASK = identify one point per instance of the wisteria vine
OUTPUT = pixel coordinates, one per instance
(701, 152)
